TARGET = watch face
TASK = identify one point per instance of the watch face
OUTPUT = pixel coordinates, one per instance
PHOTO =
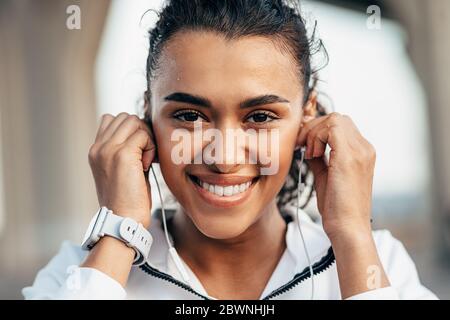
(91, 237)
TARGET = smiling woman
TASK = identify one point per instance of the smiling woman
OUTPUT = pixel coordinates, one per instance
(236, 233)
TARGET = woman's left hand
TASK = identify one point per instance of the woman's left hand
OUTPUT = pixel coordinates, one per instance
(344, 184)
(344, 193)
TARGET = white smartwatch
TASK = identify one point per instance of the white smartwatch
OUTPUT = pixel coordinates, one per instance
(127, 230)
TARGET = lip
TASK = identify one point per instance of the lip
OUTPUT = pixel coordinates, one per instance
(223, 180)
(219, 201)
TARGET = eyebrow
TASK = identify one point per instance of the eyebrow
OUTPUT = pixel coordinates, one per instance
(204, 102)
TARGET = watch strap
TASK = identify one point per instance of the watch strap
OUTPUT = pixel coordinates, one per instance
(132, 233)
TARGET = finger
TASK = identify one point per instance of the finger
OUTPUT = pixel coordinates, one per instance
(127, 128)
(152, 135)
(106, 119)
(109, 131)
(331, 132)
(307, 127)
(142, 141)
(350, 125)
(312, 137)
(320, 143)
(319, 169)
(318, 166)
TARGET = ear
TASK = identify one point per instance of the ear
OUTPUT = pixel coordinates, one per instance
(148, 120)
(147, 105)
(310, 108)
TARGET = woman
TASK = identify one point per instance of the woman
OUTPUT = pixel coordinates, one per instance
(240, 65)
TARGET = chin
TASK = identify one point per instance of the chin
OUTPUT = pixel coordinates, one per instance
(221, 228)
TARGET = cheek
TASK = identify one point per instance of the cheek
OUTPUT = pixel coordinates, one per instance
(288, 140)
(281, 148)
(285, 153)
(163, 143)
(172, 172)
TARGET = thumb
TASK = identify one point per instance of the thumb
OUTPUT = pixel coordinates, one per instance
(319, 169)
(148, 157)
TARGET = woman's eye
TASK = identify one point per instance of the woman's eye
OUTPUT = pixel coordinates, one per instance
(261, 117)
(189, 116)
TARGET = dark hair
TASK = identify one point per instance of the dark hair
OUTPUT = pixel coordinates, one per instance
(278, 20)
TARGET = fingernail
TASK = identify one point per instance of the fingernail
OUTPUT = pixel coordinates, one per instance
(307, 118)
(308, 155)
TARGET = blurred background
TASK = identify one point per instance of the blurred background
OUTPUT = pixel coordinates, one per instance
(389, 70)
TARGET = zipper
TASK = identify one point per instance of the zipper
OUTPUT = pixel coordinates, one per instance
(164, 276)
(318, 267)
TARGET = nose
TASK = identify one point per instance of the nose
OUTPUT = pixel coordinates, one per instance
(225, 168)
(230, 152)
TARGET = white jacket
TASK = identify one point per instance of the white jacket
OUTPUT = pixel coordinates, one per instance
(63, 279)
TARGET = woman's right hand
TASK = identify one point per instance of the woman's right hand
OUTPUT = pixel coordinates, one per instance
(119, 158)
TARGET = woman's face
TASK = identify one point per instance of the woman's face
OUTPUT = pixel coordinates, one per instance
(206, 81)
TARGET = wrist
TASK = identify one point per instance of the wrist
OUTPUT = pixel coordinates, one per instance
(126, 230)
(111, 246)
(350, 236)
(356, 255)
(139, 215)
(112, 257)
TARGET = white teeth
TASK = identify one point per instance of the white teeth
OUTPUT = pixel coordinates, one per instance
(218, 190)
(226, 191)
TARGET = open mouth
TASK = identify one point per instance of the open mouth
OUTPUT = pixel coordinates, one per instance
(226, 193)
(223, 190)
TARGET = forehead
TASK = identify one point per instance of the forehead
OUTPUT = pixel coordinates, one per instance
(206, 63)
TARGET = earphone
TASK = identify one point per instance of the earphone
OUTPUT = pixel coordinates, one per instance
(172, 251)
(176, 258)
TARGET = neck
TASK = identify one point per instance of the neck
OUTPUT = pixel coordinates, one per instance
(255, 253)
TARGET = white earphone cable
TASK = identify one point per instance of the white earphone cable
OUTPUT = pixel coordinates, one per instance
(169, 243)
(300, 188)
(172, 251)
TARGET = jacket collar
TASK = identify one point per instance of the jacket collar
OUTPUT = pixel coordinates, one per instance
(317, 244)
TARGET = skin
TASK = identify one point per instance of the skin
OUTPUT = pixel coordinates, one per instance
(223, 239)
